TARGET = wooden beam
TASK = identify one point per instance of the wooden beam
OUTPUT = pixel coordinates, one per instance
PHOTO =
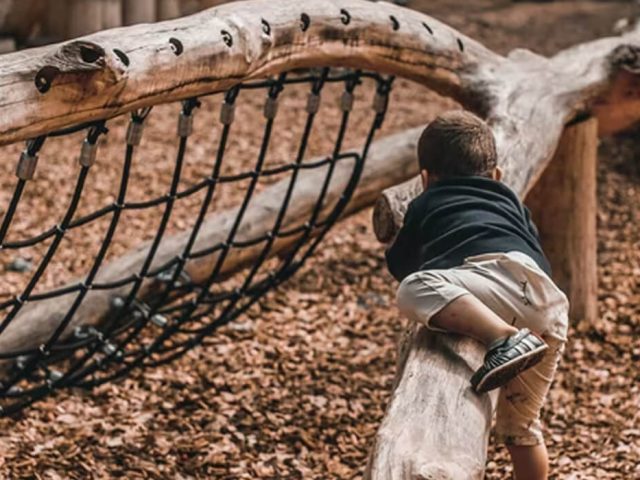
(435, 427)
(564, 207)
(86, 79)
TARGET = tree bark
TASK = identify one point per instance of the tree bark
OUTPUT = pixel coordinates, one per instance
(568, 230)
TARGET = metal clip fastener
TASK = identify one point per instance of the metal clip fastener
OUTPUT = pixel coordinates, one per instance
(313, 103)
(380, 103)
(159, 320)
(346, 102)
(134, 133)
(26, 166)
(271, 108)
(109, 348)
(185, 125)
(14, 391)
(227, 113)
(88, 153)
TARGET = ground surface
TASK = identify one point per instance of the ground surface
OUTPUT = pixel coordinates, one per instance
(296, 388)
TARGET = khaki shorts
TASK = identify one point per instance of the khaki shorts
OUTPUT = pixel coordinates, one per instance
(517, 290)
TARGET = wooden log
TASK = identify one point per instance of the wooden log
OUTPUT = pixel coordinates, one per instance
(388, 162)
(168, 9)
(85, 16)
(435, 427)
(564, 207)
(391, 206)
(85, 80)
(139, 11)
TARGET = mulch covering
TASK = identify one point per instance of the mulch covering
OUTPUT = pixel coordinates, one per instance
(297, 387)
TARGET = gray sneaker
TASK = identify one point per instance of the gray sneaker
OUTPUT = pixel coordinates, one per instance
(508, 357)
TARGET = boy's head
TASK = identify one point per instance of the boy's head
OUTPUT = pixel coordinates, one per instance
(457, 144)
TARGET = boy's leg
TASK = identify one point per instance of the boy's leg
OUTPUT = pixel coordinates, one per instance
(473, 302)
(518, 420)
(466, 315)
(529, 463)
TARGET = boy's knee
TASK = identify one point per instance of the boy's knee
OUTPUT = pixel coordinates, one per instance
(415, 286)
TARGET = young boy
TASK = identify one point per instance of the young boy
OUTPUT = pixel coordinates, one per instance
(470, 262)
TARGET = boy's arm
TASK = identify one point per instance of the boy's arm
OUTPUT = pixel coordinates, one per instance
(401, 252)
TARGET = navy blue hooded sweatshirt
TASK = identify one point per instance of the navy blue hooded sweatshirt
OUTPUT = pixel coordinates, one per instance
(460, 217)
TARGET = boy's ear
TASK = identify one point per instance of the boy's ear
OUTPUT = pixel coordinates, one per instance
(424, 174)
(497, 174)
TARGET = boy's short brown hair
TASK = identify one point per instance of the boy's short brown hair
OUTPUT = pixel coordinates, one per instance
(457, 143)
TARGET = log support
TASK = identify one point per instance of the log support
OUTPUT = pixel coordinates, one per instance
(563, 204)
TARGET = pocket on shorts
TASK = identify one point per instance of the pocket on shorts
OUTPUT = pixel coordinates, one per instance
(539, 289)
(537, 296)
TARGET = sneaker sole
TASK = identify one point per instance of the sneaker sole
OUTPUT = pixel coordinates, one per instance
(503, 374)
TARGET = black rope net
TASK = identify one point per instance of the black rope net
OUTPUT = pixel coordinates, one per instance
(86, 329)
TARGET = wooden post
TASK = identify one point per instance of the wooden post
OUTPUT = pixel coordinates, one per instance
(168, 9)
(111, 14)
(139, 11)
(564, 206)
(85, 16)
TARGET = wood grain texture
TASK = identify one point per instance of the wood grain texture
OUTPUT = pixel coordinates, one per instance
(564, 207)
(86, 80)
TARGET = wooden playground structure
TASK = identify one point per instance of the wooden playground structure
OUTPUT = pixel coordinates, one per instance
(546, 114)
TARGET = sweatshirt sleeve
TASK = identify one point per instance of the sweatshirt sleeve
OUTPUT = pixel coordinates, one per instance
(402, 252)
(532, 226)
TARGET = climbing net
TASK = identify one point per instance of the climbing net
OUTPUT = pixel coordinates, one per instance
(112, 320)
